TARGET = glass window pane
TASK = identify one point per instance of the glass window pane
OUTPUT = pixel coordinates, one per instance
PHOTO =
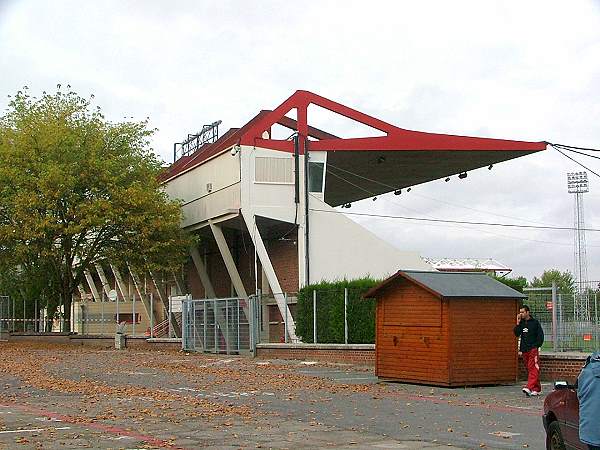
(315, 176)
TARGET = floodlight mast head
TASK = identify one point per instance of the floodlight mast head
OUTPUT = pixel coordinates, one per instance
(577, 182)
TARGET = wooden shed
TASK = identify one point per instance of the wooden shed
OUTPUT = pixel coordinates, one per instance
(445, 328)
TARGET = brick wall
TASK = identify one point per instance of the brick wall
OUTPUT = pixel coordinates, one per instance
(106, 342)
(284, 257)
(363, 355)
(557, 366)
(283, 254)
(277, 322)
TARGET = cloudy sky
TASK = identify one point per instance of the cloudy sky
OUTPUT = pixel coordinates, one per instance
(515, 70)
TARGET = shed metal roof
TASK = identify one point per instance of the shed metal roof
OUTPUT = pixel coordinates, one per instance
(453, 285)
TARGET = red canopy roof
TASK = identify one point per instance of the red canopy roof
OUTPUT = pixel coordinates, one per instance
(393, 139)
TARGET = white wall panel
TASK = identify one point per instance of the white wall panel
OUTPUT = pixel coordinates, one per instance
(340, 248)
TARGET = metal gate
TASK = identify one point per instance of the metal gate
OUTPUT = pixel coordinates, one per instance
(222, 325)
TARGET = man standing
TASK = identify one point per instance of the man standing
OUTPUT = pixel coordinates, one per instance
(588, 392)
(532, 338)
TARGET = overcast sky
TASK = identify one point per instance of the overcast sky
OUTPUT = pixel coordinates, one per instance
(514, 70)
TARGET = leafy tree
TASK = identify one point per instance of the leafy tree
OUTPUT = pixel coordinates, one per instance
(518, 284)
(76, 189)
(564, 280)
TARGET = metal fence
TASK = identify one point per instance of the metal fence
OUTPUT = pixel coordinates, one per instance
(4, 314)
(131, 315)
(17, 316)
(571, 320)
(97, 318)
(224, 325)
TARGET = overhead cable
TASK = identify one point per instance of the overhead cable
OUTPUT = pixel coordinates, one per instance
(578, 152)
(575, 161)
(463, 222)
(587, 149)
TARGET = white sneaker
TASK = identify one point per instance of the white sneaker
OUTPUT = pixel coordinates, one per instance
(534, 393)
(527, 392)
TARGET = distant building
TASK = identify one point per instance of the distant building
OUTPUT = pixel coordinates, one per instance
(487, 265)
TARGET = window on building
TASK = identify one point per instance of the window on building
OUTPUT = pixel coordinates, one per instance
(127, 318)
(315, 176)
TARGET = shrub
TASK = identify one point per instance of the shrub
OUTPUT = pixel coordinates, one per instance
(330, 312)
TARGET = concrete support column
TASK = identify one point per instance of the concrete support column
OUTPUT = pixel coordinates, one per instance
(92, 286)
(103, 279)
(265, 261)
(202, 272)
(228, 260)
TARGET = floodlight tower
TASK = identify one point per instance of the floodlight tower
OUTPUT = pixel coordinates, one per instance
(577, 183)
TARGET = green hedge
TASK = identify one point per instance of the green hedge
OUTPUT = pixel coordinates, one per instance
(330, 312)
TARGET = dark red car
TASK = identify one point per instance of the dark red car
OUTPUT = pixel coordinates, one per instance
(561, 418)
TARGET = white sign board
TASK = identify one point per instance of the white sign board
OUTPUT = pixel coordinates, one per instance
(176, 303)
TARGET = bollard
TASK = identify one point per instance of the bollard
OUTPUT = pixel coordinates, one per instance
(120, 343)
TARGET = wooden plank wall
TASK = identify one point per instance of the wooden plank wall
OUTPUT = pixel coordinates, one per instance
(483, 346)
(412, 335)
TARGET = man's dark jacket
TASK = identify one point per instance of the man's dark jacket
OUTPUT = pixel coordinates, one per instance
(532, 335)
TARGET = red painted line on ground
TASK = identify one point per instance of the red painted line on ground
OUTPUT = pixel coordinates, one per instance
(94, 425)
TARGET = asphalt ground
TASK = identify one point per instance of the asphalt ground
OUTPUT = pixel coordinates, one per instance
(64, 397)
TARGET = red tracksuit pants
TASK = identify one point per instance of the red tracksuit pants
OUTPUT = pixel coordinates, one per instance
(531, 359)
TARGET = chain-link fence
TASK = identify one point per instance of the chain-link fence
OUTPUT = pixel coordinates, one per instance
(571, 320)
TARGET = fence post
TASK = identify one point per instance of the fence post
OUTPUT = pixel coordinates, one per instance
(102, 318)
(346, 316)
(554, 318)
(133, 314)
(285, 320)
(13, 315)
(560, 316)
(314, 316)
(151, 315)
(60, 316)
(204, 327)
(596, 317)
(169, 312)
(258, 315)
(227, 326)
(36, 327)
(216, 324)
(118, 316)
(251, 325)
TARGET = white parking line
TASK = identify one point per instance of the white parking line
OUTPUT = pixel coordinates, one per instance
(33, 430)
